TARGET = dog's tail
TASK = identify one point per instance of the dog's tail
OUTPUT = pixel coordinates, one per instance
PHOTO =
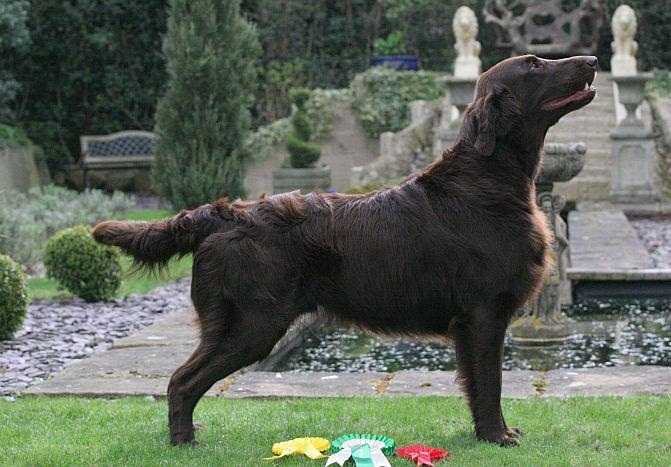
(153, 244)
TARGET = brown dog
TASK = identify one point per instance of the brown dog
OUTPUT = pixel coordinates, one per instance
(453, 251)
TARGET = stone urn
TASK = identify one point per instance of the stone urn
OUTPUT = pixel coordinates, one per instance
(306, 180)
(461, 92)
(542, 322)
(631, 93)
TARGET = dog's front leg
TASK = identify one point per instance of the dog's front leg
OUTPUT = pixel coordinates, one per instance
(479, 346)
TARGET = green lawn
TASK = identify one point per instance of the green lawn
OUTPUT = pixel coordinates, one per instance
(133, 283)
(577, 431)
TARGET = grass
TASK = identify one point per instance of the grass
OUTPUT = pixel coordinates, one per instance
(132, 431)
(133, 283)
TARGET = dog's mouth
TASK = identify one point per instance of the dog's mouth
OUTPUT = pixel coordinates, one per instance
(581, 93)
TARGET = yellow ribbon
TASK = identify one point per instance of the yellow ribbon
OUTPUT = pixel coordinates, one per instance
(310, 447)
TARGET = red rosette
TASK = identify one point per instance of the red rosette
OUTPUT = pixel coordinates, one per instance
(422, 455)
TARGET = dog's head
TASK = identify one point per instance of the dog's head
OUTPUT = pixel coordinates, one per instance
(521, 97)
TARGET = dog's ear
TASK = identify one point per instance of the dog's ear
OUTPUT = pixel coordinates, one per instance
(495, 114)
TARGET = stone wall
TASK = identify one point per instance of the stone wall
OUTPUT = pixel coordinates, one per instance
(405, 151)
(18, 170)
(346, 146)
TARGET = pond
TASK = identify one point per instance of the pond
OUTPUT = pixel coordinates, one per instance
(604, 334)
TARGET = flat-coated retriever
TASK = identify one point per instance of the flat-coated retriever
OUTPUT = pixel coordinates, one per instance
(453, 251)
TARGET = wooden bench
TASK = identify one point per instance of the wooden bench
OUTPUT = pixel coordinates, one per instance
(117, 151)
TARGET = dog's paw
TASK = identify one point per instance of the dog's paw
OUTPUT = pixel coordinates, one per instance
(502, 439)
(183, 439)
(514, 432)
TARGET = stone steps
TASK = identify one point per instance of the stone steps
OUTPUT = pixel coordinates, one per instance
(590, 125)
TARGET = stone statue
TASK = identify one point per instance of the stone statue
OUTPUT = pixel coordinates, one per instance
(624, 46)
(465, 26)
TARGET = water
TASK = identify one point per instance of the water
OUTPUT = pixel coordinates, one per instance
(604, 334)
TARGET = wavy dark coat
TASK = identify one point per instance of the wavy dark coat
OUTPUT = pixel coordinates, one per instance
(453, 251)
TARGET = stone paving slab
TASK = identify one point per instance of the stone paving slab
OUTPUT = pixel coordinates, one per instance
(605, 240)
(134, 365)
(266, 384)
(517, 383)
(615, 381)
(142, 365)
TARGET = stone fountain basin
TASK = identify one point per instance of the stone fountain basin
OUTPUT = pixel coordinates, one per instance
(561, 162)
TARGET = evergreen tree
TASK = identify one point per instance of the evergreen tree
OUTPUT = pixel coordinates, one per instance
(14, 39)
(204, 116)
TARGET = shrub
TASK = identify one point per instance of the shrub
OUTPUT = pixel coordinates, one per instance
(204, 118)
(319, 109)
(276, 79)
(13, 298)
(661, 84)
(393, 44)
(28, 220)
(302, 153)
(381, 97)
(261, 144)
(82, 266)
(12, 137)
(299, 97)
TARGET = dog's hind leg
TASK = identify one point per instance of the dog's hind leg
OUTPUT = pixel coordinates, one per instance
(479, 346)
(227, 345)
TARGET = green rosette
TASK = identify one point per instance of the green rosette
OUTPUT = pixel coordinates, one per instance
(388, 449)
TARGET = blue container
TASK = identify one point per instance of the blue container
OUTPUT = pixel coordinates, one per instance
(397, 62)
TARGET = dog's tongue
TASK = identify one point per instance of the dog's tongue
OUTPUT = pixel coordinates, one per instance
(566, 100)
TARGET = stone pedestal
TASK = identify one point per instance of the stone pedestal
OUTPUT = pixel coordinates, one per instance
(543, 322)
(460, 93)
(306, 180)
(633, 172)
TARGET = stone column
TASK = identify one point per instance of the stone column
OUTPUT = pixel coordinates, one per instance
(633, 171)
(543, 322)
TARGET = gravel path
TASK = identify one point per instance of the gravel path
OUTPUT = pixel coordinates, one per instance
(655, 232)
(57, 333)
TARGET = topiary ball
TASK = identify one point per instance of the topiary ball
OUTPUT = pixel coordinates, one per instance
(300, 96)
(82, 266)
(301, 153)
(13, 297)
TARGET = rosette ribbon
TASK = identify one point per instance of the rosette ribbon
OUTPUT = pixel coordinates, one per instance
(365, 450)
(310, 447)
(422, 455)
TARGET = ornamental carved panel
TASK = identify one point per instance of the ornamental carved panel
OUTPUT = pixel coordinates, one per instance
(548, 28)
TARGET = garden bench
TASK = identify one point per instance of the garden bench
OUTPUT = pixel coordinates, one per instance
(117, 151)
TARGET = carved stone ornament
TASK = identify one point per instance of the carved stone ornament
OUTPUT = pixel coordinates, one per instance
(624, 46)
(549, 28)
(465, 26)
